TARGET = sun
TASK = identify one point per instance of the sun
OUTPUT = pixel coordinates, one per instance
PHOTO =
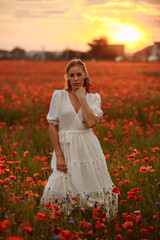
(131, 35)
(128, 34)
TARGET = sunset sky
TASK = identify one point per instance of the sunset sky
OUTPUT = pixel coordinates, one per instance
(55, 25)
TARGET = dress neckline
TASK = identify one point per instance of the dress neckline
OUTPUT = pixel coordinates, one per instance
(72, 105)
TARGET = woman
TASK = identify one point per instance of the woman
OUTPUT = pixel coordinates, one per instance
(78, 163)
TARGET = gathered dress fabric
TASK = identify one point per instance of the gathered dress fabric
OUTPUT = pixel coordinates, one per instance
(87, 177)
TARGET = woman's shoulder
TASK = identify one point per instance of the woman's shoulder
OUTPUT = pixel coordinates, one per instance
(58, 92)
(94, 95)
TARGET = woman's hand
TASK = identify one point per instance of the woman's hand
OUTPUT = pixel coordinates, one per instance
(81, 92)
(60, 163)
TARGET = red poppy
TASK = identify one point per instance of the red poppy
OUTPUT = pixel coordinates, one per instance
(1, 181)
(85, 224)
(40, 216)
(89, 233)
(143, 231)
(146, 159)
(65, 234)
(4, 225)
(14, 238)
(123, 201)
(119, 237)
(155, 149)
(143, 169)
(36, 175)
(151, 228)
(116, 190)
(75, 199)
(25, 153)
(130, 231)
(100, 225)
(115, 172)
(127, 224)
(121, 168)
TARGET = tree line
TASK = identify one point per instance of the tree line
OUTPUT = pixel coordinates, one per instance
(99, 49)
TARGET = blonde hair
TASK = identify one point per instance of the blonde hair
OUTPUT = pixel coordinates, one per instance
(77, 62)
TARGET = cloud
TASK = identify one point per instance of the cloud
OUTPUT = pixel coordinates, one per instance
(33, 0)
(95, 2)
(39, 14)
(152, 1)
(117, 2)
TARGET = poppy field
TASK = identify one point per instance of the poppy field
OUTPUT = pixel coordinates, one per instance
(129, 133)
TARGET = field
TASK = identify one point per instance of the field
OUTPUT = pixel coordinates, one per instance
(129, 133)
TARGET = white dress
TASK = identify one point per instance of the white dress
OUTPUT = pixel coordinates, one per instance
(87, 176)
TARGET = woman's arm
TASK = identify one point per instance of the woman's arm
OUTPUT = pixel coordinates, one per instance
(89, 117)
(60, 161)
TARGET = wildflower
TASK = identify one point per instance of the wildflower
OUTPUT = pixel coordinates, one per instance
(88, 195)
(119, 237)
(121, 168)
(40, 216)
(115, 172)
(71, 221)
(157, 204)
(75, 199)
(120, 183)
(49, 206)
(136, 162)
(14, 238)
(56, 237)
(85, 224)
(130, 157)
(82, 210)
(126, 181)
(143, 231)
(10, 162)
(36, 175)
(100, 225)
(56, 230)
(143, 169)
(146, 159)
(151, 228)
(136, 212)
(115, 190)
(127, 224)
(1, 181)
(26, 226)
(105, 139)
(89, 233)
(65, 234)
(155, 149)
(4, 225)
(123, 201)
(139, 180)
(130, 231)
(25, 153)
(26, 170)
(138, 220)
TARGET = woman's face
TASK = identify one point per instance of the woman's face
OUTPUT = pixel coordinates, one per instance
(76, 77)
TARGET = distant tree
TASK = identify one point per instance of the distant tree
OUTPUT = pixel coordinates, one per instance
(18, 53)
(4, 54)
(99, 48)
(69, 54)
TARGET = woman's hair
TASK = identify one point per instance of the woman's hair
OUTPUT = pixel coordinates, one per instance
(77, 62)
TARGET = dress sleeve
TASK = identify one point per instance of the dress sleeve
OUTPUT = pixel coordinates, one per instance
(53, 114)
(96, 105)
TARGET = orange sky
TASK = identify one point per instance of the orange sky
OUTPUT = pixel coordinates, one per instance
(59, 24)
